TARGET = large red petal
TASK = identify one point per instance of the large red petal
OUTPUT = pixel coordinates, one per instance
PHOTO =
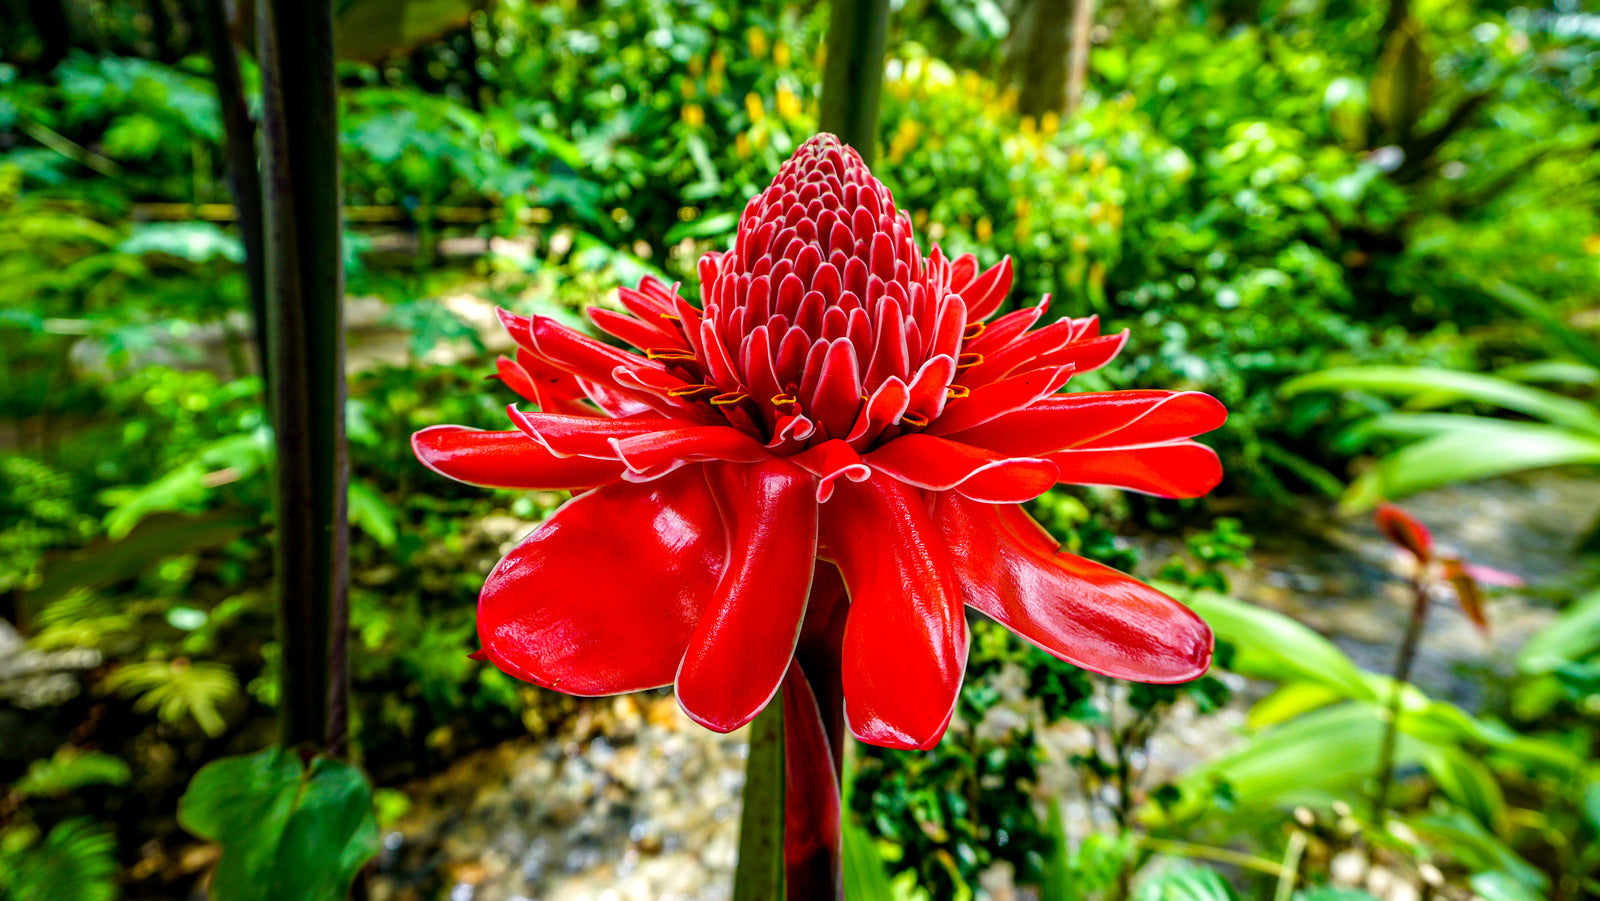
(1084, 613)
(905, 637)
(604, 595)
(1177, 469)
(506, 460)
(586, 436)
(743, 644)
(1096, 419)
(937, 464)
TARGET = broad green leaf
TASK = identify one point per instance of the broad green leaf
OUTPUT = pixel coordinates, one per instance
(1309, 760)
(866, 876)
(1332, 893)
(162, 535)
(1469, 784)
(371, 513)
(75, 862)
(1563, 372)
(1460, 836)
(1573, 636)
(1591, 805)
(759, 874)
(1188, 883)
(285, 831)
(1470, 386)
(1580, 344)
(70, 769)
(1291, 700)
(1268, 645)
(1479, 453)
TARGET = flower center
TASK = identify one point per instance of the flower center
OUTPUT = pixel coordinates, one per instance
(824, 320)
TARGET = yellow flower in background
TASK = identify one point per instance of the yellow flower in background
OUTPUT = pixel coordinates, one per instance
(1097, 163)
(1049, 123)
(919, 219)
(1591, 245)
(984, 230)
(1097, 275)
(719, 61)
(692, 115)
(1075, 160)
(1028, 127)
(697, 66)
(787, 104)
(760, 137)
(714, 84)
(905, 138)
(1080, 243)
(780, 55)
(1114, 216)
(741, 145)
(687, 88)
(757, 41)
(754, 108)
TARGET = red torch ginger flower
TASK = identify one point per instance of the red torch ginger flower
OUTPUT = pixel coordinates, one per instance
(836, 401)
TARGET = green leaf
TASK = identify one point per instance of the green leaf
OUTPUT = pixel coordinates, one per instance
(1449, 383)
(759, 875)
(76, 862)
(285, 831)
(178, 690)
(1574, 636)
(196, 242)
(162, 535)
(371, 513)
(1480, 452)
(1469, 784)
(1591, 805)
(1532, 307)
(70, 769)
(866, 876)
(1189, 883)
(1309, 760)
(1333, 893)
(1268, 645)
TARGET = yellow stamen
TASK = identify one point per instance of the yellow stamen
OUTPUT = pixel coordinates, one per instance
(956, 391)
(691, 390)
(730, 397)
(966, 361)
(779, 400)
(973, 330)
(915, 420)
(668, 353)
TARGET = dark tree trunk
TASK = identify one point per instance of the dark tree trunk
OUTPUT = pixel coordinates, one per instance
(1040, 42)
(305, 291)
(244, 177)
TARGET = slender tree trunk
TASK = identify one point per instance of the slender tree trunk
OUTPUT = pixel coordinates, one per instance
(304, 279)
(1078, 59)
(1038, 56)
(244, 176)
(852, 80)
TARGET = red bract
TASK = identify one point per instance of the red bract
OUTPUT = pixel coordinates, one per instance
(836, 396)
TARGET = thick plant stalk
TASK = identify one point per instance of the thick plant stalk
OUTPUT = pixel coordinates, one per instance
(1404, 658)
(852, 80)
(759, 874)
(244, 177)
(304, 290)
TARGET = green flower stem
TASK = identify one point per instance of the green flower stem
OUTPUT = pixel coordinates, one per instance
(1404, 658)
(759, 876)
